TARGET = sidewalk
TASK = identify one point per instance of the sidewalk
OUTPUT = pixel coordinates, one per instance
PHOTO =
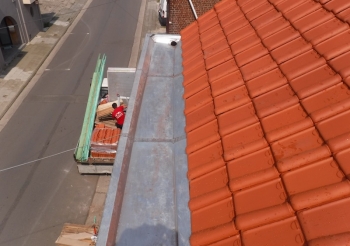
(28, 60)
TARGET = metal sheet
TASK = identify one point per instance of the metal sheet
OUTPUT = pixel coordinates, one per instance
(148, 216)
(178, 108)
(120, 81)
(178, 59)
(182, 193)
(162, 61)
(155, 120)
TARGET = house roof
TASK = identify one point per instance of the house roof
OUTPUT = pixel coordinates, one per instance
(267, 107)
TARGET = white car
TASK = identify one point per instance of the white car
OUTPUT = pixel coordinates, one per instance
(162, 12)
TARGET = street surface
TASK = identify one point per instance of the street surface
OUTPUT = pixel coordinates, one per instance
(39, 197)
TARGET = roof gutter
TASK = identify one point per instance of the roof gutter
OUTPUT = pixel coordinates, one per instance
(193, 10)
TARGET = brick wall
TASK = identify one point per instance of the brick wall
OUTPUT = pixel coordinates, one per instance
(181, 15)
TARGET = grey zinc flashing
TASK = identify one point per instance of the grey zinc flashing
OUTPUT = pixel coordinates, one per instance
(178, 59)
(148, 195)
(179, 122)
(182, 194)
(162, 53)
(155, 120)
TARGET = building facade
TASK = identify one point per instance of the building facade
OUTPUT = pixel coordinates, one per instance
(20, 21)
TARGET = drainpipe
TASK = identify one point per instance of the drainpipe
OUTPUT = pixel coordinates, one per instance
(20, 26)
(24, 23)
(193, 10)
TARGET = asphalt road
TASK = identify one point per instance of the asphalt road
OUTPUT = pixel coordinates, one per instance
(38, 198)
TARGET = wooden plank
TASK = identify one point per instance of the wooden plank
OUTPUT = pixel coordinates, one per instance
(104, 112)
(95, 169)
(75, 235)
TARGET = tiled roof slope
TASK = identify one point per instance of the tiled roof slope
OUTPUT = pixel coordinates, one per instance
(267, 105)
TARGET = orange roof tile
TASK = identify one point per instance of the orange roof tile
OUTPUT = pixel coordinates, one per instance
(302, 64)
(272, 27)
(326, 220)
(290, 50)
(240, 34)
(341, 64)
(202, 136)
(197, 100)
(314, 81)
(266, 82)
(250, 54)
(196, 86)
(337, 6)
(213, 215)
(235, 25)
(245, 44)
(324, 31)
(277, 233)
(343, 161)
(335, 45)
(236, 119)
(288, 5)
(259, 11)
(266, 18)
(345, 15)
(267, 105)
(302, 10)
(274, 101)
(312, 20)
(215, 48)
(231, 99)
(226, 83)
(218, 58)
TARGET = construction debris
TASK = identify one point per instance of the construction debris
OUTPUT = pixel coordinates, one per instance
(76, 235)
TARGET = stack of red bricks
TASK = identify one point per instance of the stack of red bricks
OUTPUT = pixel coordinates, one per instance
(104, 141)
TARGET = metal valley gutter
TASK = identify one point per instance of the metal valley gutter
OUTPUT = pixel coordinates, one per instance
(193, 10)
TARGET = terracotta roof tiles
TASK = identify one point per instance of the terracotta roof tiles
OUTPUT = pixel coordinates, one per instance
(245, 44)
(266, 18)
(312, 20)
(272, 27)
(305, 8)
(345, 15)
(226, 83)
(267, 105)
(324, 31)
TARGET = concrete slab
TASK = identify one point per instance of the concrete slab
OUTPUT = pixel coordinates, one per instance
(103, 183)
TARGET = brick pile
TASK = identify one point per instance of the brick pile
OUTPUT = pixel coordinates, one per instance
(104, 141)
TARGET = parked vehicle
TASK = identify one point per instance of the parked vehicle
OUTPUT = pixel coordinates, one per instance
(162, 12)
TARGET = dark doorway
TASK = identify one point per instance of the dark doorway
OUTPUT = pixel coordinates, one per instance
(10, 40)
